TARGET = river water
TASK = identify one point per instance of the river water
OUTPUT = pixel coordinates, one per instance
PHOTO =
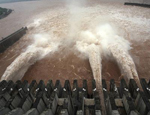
(63, 20)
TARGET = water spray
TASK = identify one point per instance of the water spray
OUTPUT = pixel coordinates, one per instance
(90, 47)
(95, 62)
(126, 63)
(105, 42)
(42, 46)
(116, 47)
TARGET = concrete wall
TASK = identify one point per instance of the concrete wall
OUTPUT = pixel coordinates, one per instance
(11, 39)
(133, 1)
(139, 1)
(7, 1)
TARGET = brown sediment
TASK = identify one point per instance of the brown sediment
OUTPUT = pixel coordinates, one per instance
(10, 54)
(62, 65)
(110, 70)
(141, 57)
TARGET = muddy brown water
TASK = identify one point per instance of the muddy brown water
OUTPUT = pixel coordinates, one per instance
(65, 64)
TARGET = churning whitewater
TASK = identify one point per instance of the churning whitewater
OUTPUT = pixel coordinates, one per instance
(87, 29)
(42, 45)
(92, 31)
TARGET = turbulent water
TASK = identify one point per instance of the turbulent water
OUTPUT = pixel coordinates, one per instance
(84, 27)
(93, 31)
(41, 46)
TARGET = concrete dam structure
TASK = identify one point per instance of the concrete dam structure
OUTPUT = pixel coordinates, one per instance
(22, 98)
(78, 57)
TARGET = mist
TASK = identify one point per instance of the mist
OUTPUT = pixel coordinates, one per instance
(83, 28)
(88, 29)
(42, 45)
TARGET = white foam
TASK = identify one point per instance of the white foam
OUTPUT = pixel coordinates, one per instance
(42, 45)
